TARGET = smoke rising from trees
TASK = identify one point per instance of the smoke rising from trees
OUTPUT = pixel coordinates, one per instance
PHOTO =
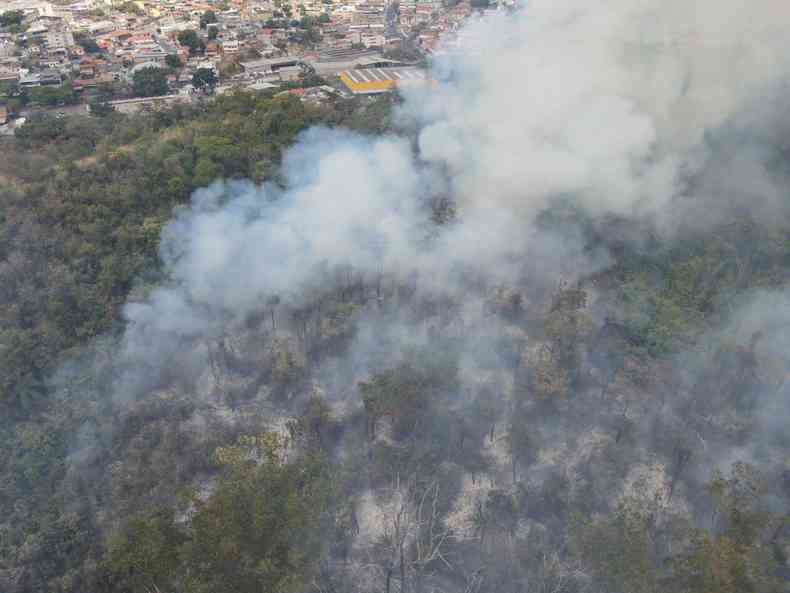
(531, 340)
(611, 106)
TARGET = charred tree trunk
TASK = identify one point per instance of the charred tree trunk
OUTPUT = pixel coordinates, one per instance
(403, 587)
(514, 467)
(682, 457)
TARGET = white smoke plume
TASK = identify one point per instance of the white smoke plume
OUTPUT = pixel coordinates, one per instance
(663, 113)
(607, 103)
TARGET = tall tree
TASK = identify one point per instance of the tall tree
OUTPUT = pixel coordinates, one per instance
(204, 78)
(207, 18)
(190, 39)
(150, 82)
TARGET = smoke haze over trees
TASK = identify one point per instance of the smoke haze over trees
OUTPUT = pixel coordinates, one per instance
(522, 331)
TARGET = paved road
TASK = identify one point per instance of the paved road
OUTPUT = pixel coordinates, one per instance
(392, 17)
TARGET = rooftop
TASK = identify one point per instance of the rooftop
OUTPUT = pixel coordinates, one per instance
(380, 80)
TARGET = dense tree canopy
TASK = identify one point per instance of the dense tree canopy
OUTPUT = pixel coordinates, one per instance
(150, 82)
(367, 432)
(207, 18)
(204, 78)
(11, 17)
(173, 61)
(87, 42)
(191, 40)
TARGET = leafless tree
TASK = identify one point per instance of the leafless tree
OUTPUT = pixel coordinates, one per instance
(414, 537)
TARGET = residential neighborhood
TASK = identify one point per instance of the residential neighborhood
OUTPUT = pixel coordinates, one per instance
(138, 54)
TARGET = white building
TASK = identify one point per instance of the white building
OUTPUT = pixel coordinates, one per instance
(231, 46)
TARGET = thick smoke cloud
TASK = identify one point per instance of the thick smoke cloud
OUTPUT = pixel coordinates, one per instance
(611, 105)
(608, 101)
(663, 113)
